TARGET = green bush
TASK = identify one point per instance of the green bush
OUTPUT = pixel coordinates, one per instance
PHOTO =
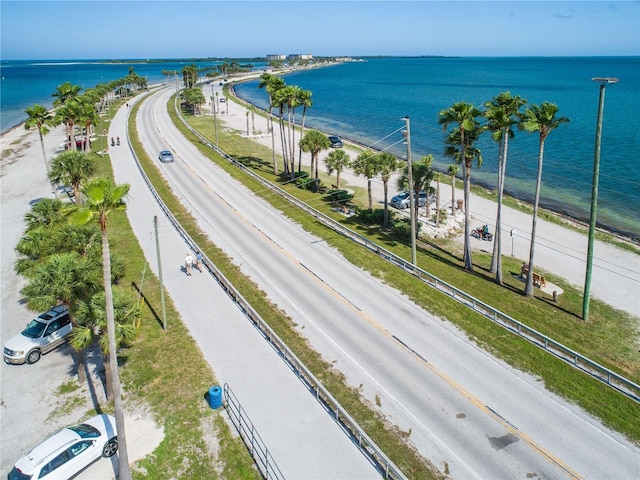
(371, 216)
(443, 215)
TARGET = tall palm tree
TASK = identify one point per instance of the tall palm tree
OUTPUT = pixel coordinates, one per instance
(304, 99)
(387, 166)
(42, 119)
(366, 164)
(337, 161)
(542, 119)
(72, 168)
(314, 142)
(87, 114)
(465, 116)
(501, 115)
(64, 95)
(102, 198)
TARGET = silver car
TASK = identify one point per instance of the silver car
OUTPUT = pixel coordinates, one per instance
(69, 451)
(43, 334)
(165, 156)
(401, 200)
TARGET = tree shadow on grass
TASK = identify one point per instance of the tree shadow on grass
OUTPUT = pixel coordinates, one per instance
(148, 304)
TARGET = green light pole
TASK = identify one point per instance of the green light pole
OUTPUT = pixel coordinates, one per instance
(594, 196)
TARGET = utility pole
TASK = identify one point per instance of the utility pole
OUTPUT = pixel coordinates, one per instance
(412, 200)
(164, 310)
(594, 197)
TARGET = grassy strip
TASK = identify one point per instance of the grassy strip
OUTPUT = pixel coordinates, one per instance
(165, 371)
(607, 338)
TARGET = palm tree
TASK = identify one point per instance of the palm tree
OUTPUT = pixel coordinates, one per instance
(538, 118)
(337, 161)
(387, 166)
(464, 115)
(421, 175)
(103, 197)
(436, 177)
(453, 171)
(42, 119)
(314, 142)
(61, 279)
(72, 168)
(86, 111)
(45, 212)
(500, 115)
(304, 99)
(366, 164)
(64, 95)
(92, 320)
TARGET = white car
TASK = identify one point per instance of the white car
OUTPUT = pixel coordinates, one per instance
(69, 451)
(43, 334)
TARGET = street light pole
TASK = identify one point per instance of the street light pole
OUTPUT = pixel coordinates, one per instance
(412, 213)
(594, 197)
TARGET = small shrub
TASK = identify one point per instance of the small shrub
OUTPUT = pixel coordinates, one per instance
(371, 216)
(443, 215)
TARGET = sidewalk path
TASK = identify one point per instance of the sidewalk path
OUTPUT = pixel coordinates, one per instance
(303, 439)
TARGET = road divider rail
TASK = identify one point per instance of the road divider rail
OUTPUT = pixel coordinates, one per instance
(349, 426)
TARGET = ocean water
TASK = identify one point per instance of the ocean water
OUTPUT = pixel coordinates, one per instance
(366, 101)
(25, 83)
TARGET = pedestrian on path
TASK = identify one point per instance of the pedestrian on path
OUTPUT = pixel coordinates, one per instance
(199, 261)
(188, 263)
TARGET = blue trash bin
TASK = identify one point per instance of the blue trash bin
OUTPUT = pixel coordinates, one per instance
(215, 397)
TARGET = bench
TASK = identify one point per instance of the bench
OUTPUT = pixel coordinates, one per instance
(538, 280)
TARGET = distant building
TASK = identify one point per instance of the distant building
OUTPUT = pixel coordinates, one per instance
(296, 57)
(279, 56)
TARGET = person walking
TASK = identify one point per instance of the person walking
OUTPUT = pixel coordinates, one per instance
(188, 263)
(199, 261)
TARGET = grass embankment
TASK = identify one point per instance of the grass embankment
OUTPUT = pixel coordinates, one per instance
(165, 372)
(608, 338)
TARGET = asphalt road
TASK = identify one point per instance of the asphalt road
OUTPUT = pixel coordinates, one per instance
(464, 409)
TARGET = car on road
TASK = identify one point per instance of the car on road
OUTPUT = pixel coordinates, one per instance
(401, 200)
(42, 334)
(166, 156)
(222, 99)
(69, 451)
(335, 141)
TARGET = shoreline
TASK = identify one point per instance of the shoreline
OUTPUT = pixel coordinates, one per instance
(565, 219)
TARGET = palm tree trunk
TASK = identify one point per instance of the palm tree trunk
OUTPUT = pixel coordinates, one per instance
(437, 200)
(385, 221)
(125, 471)
(498, 228)
(273, 144)
(453, 195)
(528, 289)
(468, 264)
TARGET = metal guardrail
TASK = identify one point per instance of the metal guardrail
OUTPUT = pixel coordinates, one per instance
(600, 372)
(258, 450)
(366, 445)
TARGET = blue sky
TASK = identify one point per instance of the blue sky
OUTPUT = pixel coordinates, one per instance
(178, 29)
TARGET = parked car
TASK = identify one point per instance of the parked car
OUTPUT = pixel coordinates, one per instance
(222, 99)
(166, 156)
(43, 334)
(401, 200)
(69, 451)
(336, 142)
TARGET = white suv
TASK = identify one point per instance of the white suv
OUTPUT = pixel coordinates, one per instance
(69, 451)
(43, 334)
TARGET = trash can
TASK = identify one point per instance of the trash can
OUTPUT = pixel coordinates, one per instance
(460, 204)
(215, 397)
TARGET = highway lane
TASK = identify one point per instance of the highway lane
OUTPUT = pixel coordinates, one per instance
(463, 408)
